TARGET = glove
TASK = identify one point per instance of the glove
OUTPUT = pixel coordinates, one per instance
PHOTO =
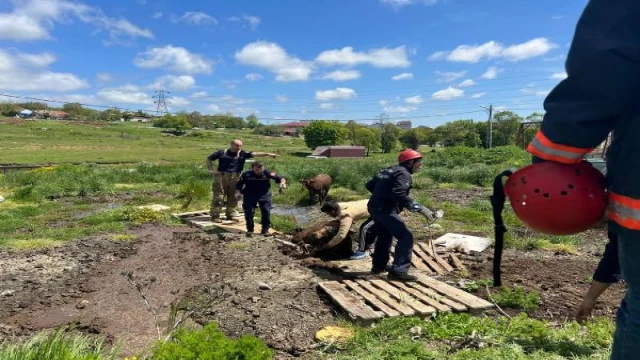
(428, 214)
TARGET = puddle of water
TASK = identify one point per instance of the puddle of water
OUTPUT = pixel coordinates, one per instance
(302, 215)
(85, 214)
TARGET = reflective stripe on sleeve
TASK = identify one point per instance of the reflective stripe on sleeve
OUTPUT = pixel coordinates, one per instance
(546, 149)
(624, 211)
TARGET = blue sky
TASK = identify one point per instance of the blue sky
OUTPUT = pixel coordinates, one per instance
(429, 61)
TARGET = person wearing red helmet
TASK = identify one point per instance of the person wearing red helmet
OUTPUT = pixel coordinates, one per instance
(600, 96)
(389, 196)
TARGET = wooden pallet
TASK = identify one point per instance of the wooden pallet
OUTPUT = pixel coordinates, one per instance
(367, 300)
(202, 220)
(423, 259)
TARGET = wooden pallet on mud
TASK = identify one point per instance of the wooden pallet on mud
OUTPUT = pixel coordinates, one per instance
(368, 300)
(423, 259)
(202, 220)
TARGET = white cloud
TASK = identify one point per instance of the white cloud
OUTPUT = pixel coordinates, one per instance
(104, 77)
(414, 99)
(282, 98)
(274, 58)
(176, 101)
(34, 20)
(384, 102)
(249, 20)
(450, 76)
(447, 94)
(127, 94)
(478, 95)
(400, 109)
(556, 17)
(380, 58)
(494, 50)
(342, 75)
(531, 89)
(196, 18)
(253, 77)
(559, 76)
(199, 94)
(157, 15)
(403, 76)
(338, 93)
(401, 3)
(29, 72)
(172, 82)
(490, 74)
(467, 83)
(554, 58)
(175, 58)
(326, 106)
(213, 108)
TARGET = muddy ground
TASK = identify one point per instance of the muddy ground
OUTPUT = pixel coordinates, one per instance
(251, 287)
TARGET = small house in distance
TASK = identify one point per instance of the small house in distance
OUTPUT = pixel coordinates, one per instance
(322, 152)
(293, 128)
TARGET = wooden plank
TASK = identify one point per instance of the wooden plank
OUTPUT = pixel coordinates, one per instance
(423, 297)
(462, 296)
(404, 310)
(404, 297)
(352, 305)
(457, 262)
(371, 298)
(442, 263)
(454, 305)
(419, 264)
(352, 266)
(434, 265)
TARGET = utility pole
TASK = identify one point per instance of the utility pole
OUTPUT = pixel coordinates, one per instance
(490, 120)
(161, 101)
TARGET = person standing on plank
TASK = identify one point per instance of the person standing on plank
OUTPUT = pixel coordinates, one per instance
(350, 212)
(253, 187)
(230, 165)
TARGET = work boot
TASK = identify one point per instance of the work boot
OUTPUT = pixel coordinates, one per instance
(376, 271)
(359, 255)
(249, 233)
(392, 275)
(265, 233)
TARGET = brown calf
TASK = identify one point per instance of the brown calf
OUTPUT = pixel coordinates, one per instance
(318, 185)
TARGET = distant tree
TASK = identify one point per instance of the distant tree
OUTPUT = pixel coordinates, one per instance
(73, 109)
(352, 128)
(412, 139)
(269, 130)
(8, 109)
(367, 137)
(389, 137)
(323, 133)
(196, 119)
(176, 122)
(505, 128)
(252, 121)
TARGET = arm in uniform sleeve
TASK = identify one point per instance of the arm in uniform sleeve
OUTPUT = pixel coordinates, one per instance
(241, 182)
(400, 190)
(608, 270)
(215, 156)
(343, 231)
(272, 175)
(603, 67)
(371, 184)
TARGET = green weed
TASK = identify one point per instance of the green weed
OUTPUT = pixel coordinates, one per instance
(517, 298)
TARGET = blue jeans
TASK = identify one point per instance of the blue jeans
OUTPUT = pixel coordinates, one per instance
(389, 225)
(626, 340)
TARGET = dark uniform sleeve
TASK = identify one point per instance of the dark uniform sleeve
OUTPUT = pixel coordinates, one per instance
(241, 182)
(247, 154)
(400, 189)
(216, 155)
(603, 68)
(608, 270)
(371, 184)
(272, 175)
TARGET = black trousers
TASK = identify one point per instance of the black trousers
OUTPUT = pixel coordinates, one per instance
(249, 206)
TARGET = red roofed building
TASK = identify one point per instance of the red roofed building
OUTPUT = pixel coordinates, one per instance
(292, 128)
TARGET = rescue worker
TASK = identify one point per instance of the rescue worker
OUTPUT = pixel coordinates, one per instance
(253, 187)
(230, 165)
(607, 272)
(348, 213)
(389, 196)
(598, 97)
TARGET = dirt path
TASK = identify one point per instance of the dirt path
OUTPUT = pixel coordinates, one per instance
(83, 283)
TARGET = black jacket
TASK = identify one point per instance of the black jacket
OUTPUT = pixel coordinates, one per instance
(253, 185)
(390, 189)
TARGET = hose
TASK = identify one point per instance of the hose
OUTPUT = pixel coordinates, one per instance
(497, 204)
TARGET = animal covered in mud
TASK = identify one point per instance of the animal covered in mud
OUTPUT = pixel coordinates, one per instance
(318, 186)
(315, 236)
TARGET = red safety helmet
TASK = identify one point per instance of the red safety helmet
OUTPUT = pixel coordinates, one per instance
(408, 154)
(558, 199)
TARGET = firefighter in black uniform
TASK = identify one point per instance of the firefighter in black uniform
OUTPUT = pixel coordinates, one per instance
(389, 196)
(254, 186)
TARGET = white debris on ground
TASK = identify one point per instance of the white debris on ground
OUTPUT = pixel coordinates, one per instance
(1, 198)
(155, 207)
(464, 243)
